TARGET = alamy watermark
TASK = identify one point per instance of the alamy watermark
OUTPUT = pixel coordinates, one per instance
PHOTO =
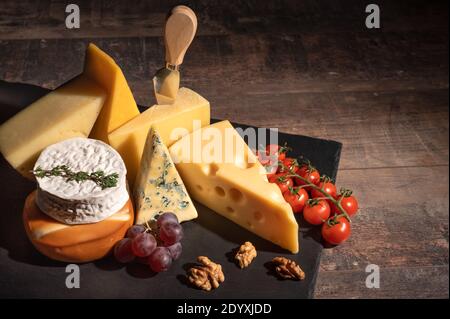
(73, 279)
(73, 17)
(373, 279)
(211, 144)
(373, 19)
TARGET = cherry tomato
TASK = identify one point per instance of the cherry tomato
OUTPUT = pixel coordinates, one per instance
(274, 149)
(328, 187)
(297, 198)
(309, 173)
(289, 165)
(349, 204)
(336, 234)
(316, 213)
(333, 208)
(282, 181)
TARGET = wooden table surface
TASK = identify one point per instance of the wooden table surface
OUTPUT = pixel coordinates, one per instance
(307, 67)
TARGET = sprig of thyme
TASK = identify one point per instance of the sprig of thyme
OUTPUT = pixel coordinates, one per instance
(98, 177)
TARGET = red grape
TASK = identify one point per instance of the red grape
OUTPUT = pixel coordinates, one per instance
(160, 259)
(166, 217)
(123, 251)
(142, 260)
(170, 233)
(133, 231)
(175, 250)
(143, 244)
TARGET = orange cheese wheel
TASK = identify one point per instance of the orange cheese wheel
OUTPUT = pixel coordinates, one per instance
(74, 243)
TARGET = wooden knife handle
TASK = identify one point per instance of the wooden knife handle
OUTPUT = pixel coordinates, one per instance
(178, 34)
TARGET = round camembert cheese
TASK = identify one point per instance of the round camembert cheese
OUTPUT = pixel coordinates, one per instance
(73, 202)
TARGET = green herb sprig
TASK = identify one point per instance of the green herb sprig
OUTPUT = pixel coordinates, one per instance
(98, 177)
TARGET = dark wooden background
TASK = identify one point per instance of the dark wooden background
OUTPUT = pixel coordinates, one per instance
(308, 67)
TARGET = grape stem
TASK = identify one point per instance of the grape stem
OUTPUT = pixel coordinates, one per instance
(147, 227)
(337, 203)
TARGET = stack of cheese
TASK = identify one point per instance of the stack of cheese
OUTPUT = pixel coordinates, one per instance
(78, 221)
(72, 221)
(99, 104)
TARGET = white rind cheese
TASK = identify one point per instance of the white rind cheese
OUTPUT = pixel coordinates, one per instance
(73, 202)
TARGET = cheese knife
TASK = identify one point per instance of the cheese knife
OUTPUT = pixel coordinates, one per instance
(179, 32)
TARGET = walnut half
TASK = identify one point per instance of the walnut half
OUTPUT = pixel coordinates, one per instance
(245, 254)
(288, 269)
(206, 276)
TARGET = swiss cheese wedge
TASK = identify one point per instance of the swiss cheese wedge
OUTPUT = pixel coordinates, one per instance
(188, 110)
(69, 111)
(231, 183)
(158, 186)
(120, 106)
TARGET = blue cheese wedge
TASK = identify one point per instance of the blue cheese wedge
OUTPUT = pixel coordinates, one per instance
(80, 202)
(158, 187)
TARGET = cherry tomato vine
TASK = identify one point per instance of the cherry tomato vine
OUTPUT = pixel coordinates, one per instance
(309, 193)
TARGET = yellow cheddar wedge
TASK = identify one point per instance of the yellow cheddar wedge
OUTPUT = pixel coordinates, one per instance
(159, 187)
(69, 111)
(188, 110)
(120, 106)
(231, 183)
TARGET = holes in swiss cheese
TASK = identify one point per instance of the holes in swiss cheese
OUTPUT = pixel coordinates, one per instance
(258, 216)
(219, 191)
(230, 209)
(236, 195)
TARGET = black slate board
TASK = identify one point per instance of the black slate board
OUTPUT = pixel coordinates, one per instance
(26, 273)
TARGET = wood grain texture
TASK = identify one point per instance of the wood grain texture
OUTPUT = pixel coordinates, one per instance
(102, 19)
(252, 64)
(407, 209)
(405, 282)
(410, 232)
(177, 42)
(306, 67)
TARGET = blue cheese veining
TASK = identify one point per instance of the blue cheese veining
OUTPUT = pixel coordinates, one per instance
(73, 202)
(158, 187)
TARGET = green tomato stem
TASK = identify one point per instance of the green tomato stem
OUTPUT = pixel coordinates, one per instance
(337, 203)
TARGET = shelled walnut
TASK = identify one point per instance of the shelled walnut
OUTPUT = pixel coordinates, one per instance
(206, 276)
(245, 254)
(288, 269)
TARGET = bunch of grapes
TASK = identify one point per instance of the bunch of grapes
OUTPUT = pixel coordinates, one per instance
(156, 248)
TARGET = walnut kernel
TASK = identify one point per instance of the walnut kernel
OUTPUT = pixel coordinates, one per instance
(288, 269)
(206, 276)
(245, 254)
